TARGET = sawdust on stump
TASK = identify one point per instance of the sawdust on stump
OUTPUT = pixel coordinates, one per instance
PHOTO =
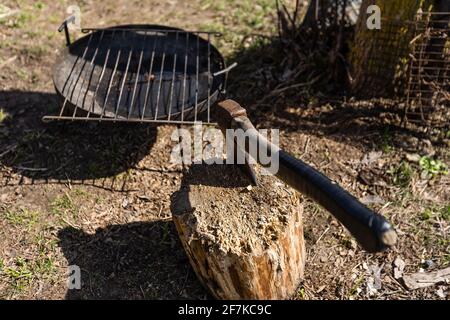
(243, 241)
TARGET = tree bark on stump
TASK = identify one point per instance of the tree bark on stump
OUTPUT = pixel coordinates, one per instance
(243, 242)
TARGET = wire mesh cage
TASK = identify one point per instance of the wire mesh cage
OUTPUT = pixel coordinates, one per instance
(427, 92)
(379, 57)
(408, 58)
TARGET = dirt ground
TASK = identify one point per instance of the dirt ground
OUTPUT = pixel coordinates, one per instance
(98, 196)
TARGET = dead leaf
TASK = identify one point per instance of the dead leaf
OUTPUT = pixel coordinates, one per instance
(371, 157)
(372, 199)
(440, 293)
(321, 288)
(373, 281)
(372, 177)
(399, 266)
(144, 198)
(413, 157)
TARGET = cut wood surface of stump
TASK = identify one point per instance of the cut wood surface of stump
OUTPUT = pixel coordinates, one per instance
(244, 242)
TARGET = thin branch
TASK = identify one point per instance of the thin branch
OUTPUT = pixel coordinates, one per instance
(30, 169)
(7, 61)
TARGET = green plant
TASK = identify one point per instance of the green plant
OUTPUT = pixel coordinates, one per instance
(446, 260)
(22, 19)
(45, 265)
(22, 74)
(347, 243)
(3, 115)
(79, 192)
(402, 174)
(36, 51)
(20, 274)
(426, 214)
(39, 5)
(63, 206)
(302, 294)
(356, 286)
(436, 211)
(22, 217)
(433, 167)
(386, 141)
(445, 213)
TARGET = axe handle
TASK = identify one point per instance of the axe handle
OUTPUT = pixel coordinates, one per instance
(373, 232)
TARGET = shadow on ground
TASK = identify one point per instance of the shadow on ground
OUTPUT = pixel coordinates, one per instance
(295, 95)
(63, 151)
(143, 260)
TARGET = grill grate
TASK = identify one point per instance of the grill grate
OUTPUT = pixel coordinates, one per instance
(139, 74)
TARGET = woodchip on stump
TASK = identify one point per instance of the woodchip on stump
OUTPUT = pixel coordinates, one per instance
(243, 242)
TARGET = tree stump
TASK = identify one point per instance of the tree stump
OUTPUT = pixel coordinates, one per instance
(244, 242)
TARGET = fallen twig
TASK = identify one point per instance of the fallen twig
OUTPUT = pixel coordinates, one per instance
(305, 149)
(293, 86)
(30, 169)
(12, 148)
(7, 61)
(321, 236)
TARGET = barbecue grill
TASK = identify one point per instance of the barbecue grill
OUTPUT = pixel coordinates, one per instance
(138, 73)
(158, 74)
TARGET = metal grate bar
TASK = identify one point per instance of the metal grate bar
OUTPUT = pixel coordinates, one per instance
(209, 77)
(197, 77)
(413, 83)
(433, 60)
(185, 76)
(153, 31)
(158, 94)
(173, 78)
(123, 81)
(137, 79)
(135, 120)
(149, 79)
(79, 74)
(108, 91)
(426, 68)
(101, 75)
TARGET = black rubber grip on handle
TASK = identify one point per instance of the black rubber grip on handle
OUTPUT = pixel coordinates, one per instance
(371, 230)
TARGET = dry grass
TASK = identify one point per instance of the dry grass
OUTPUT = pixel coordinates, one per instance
(99, 196)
